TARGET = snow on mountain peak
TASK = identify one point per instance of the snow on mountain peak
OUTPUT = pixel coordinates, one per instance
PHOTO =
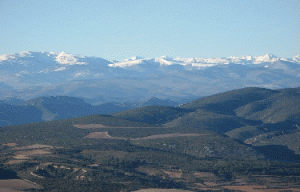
(164, 60)
(265, 58)
(135, 58)
(199, 63)
(128, 62)
(247, 57)
(7, 57)
(296, 58)
(65, 59)
(25, 54)
(124, 64)
(68, 59)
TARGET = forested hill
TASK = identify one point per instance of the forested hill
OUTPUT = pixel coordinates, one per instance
(242, 137)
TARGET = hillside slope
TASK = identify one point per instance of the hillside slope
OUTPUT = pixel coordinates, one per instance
(276, 108)
(250, 115)
(227, 102)
(199, 147)
(152, 114)
(14, 115)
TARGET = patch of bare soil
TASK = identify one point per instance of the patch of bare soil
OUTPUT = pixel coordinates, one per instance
(35, 146)
(210, 184)
(11, 185)
(89, 126)
(203, 187)
(100, 135)
(162, 136)
(160, 172)
(9, 190)
(11, 162)
(151, 171)
(28, 153)
(205, 174)
(97, 126)
(173, 174)
(10, 144)
(94, 165)
(259, 188)
(46, 164)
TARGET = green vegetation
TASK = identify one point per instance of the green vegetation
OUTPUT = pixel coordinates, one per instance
(7, 174)
(152, 114)
(226, 103)
(12, 115)
(203, 146)
(276, 108)
(225, 139)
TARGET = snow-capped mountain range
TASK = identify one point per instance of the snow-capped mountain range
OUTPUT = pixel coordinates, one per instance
(31, 74)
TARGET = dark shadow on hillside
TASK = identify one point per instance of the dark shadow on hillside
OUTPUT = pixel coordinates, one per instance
(278, 153)
(7, 174)
(280, 126)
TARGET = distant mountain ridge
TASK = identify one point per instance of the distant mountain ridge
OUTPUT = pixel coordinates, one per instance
(15, 111)
(28, 75)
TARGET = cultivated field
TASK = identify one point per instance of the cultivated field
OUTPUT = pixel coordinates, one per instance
(97, 126)
(11, 185)
(162, 136)
(162, 190)
(99, 135)
(259, 188)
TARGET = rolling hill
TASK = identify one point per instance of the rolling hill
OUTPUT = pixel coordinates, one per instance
(63, 107)
(248, 114)
(12, 115)
(235, 138)
(277, 108)
(227, 102)
(15, 111)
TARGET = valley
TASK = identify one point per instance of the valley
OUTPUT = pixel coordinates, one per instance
(240, 140)
(149, 96)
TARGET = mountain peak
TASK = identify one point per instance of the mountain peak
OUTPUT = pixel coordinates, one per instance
(29, 74)
(25, 53)
(68, 59)
(136, 58)
(265, 58)
(270, 56)
(296, 58)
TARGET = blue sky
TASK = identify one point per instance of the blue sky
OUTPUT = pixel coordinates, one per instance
(119, 29)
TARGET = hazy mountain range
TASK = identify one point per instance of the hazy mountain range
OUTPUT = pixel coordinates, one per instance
(28, 75)
(15, 111)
